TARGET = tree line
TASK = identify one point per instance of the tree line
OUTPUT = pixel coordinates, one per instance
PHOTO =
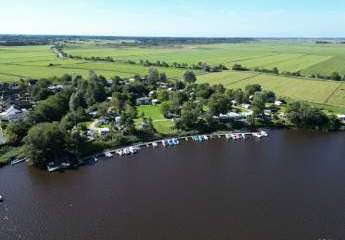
(334, 76)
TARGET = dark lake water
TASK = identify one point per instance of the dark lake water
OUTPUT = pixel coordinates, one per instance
(288, 186)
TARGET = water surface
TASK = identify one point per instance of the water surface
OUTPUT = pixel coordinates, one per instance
(288, 186)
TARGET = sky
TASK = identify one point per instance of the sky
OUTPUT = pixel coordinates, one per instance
(175, 18)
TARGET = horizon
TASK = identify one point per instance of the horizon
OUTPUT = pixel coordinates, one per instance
(201, 19)
(187, 37)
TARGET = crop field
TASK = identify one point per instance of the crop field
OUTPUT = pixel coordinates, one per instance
(311, 90)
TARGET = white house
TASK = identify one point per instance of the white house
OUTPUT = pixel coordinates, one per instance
(103, 131)
(13, 114)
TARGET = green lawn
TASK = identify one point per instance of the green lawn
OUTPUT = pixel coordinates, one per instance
(161, 124)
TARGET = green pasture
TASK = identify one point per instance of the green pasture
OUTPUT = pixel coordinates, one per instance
(315, 91)
(307, 57)
(41, 62)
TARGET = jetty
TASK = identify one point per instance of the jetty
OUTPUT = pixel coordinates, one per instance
(172, 142)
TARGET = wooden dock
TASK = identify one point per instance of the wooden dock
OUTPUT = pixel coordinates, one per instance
(129, 150)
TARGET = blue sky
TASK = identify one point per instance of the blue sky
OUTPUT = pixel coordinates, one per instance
(204, 18)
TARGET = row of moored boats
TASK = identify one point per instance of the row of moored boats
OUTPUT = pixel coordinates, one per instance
(175, 141)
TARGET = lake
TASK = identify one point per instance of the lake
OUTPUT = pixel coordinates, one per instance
(288, 186)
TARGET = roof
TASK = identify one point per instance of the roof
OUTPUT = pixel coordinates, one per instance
(11, 111)
(104, 130)
(143, 99)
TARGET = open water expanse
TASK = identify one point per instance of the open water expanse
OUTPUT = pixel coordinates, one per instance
(288, 186)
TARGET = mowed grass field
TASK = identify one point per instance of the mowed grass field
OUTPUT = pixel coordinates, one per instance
(321, 92)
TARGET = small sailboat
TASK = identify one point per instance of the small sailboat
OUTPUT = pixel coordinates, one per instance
(1, 198)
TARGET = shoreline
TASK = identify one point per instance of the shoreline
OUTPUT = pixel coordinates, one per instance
(165, 142)
(150, 144)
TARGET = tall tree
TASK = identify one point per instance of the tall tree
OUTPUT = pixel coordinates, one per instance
(259, 103)
(153, 76)
(219, 104)
(44, 143)
(189, 77)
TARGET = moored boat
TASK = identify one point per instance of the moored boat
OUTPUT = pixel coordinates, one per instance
(163, 143)
(17, 161)
(108, 154)
(119, 152)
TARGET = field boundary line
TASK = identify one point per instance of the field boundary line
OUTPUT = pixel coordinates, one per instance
(285, 60)
(244, 79)
(332, 94)
(284, 76)
(252, 58)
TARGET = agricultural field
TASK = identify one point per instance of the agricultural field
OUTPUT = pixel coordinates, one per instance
(41, 62)
(307, 57)
(320, 92)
